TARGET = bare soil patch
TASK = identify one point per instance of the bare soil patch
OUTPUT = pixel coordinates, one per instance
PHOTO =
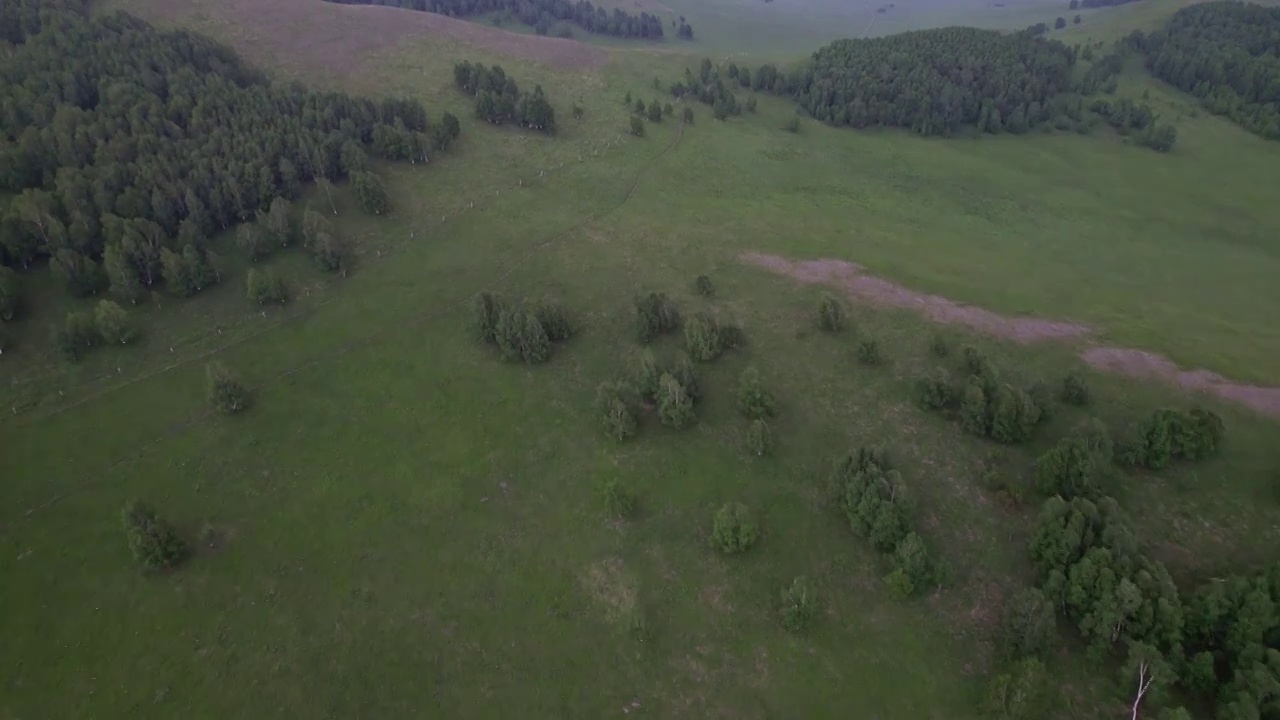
(1141, 364)
(850, 278)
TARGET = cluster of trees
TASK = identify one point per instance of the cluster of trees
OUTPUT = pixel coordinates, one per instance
(1097, 3)
(519, 332)
(1170, 434)
(709, 88)
(126, 148)
(1138, 121)
(654, 110)
(543, 14)
(499, 100)
(1219, 642)
(1224, 53)
(873, 499)
(932, 82)
(83, 331)
(984, 405)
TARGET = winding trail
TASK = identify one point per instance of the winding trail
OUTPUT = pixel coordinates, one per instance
(854, 282)
(89, 480)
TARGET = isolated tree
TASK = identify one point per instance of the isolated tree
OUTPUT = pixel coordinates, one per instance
(759, 438)
(1059, 23)
(113, 324)
(331, 252)
(830, 313)
(10, 293)
(733, 529)
(654, 112)
(264, 286)
(154, 543)
(637, 126)
(370, 192)
(1076, 20)
(226, 394)
(754, 401)
(675, 407)
(799, 604)
(704, 287)
(913, 568)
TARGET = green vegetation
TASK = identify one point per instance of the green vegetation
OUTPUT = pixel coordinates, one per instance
(565, 528)
(540, 14)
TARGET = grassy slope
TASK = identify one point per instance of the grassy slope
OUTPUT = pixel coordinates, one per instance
(411, 526)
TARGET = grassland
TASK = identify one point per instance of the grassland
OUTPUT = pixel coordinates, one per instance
(406, 526)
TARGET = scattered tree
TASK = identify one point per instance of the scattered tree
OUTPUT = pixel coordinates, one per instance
(112, 324)
(703, 286)
(1017, 694)
(799, 604)
(154, 543)
(733, 529)
(675, 407)
(520, 336)
(637, 126)
(703, 338)
(687, 116)
(249, 237)
(226, 394)
(935, 390)
(618, 408)
(265, 287)
(618, 501)
(830, 313)
(370, 192)
(77, 336)
(759, 438)
(754, 401)
(555, 322)
(1028, 625)
(655, 315)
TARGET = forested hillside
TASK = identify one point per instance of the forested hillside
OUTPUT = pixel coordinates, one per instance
(125, 147)
(542, 14)
(1225, 53)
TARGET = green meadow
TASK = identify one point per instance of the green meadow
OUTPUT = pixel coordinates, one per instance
(405, 525)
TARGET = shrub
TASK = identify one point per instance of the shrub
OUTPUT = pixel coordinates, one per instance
(637, 126)
(869, 353)
(113, 324)
(555, 322)
(733, 530)
(675, 408)
(935, 390)
(799, 604)
(77, 336)
(753, 400)
(618, 501)
(1074, 390)
(1014, 416)
(731, 337)
(940, 345)
(265, 286)
(224, 390)
(975, 362)
(617, 408)
(973, 409)
(647, 376)
(704, 287)
(655, 315)
(1028, 624)
(682, 370)
(154, 543)
(485, 310)
(703, 338)
(830, 313)
(759, 438)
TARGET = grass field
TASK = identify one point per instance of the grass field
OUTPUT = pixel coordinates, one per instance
(404, 525)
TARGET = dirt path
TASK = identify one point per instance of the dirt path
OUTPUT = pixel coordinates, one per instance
(857, 284)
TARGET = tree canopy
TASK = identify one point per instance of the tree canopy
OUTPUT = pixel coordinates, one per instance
(541, 14)
(1225, 53)
(126, 147)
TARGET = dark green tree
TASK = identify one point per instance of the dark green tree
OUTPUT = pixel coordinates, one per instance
(226, 393)
(370, 193)
(154, 543)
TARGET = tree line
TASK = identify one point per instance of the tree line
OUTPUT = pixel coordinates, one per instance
(541, 14)
(126, 148)
(499, 99)
(1224, 53)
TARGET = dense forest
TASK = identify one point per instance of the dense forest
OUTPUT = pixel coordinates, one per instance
(1225, 53)
(499, 99)
(542, 14)
(125, 148)
(932, 82)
